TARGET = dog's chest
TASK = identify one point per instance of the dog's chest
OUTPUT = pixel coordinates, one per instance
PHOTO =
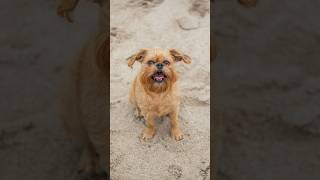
(159, 105)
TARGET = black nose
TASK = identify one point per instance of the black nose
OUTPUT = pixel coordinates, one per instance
(159, 65)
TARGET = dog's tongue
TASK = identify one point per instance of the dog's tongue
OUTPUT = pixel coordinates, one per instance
(159, 77)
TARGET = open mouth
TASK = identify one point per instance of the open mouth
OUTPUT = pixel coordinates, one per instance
(159, 76)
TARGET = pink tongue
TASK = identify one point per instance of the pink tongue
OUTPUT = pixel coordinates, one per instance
(158, 77)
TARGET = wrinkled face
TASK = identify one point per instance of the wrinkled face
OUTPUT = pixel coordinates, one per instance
(157, 72)
(158, 66)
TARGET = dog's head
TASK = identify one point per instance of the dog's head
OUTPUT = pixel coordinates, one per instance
(157, 72)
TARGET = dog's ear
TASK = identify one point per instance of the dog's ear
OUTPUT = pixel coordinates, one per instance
(179, 56)
(102, 52)
(139, 56)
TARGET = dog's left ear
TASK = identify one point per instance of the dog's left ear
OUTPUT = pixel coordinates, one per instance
(179, 56)
(139, 56)
(102, 49)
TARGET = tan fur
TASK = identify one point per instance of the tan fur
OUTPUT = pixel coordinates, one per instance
(83, 101)
(152, 99)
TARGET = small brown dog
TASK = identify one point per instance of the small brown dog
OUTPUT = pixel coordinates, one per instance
(153, 91)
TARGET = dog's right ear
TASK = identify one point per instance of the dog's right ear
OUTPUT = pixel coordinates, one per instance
(139, 56)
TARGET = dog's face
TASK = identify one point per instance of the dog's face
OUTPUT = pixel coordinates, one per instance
(157, 72)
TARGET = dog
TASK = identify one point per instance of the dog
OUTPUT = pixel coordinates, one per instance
(83, 100)
(153, 91)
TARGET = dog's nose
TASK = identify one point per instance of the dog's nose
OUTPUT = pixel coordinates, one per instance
(159, 65)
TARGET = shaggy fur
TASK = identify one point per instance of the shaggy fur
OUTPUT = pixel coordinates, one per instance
(83, 102)
(153, 99)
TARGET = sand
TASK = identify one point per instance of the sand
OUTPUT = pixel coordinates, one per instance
(267, 84)
(155, 25)
(266, 80)
(35, 45)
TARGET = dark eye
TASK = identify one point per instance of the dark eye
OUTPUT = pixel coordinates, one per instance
(150, 62)
(166, 62)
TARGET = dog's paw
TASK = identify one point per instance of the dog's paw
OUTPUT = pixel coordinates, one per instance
(137, 114)
(148, 134)
(176, 133)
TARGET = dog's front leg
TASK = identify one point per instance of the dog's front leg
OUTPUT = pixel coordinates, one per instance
(149, 131)
(174, 129)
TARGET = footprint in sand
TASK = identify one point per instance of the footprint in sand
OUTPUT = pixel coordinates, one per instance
(199, 7)
(146, 4)
(175, 171)
(118, 35)
(116, 161)
(205, 170)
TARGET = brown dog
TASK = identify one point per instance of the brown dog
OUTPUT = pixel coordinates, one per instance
(84, 102)
(153, 91)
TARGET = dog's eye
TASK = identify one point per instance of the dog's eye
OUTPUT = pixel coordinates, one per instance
(166, 62)
(150, 62)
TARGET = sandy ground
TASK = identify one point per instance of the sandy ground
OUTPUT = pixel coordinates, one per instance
(34, 45)
(267, 83)
(266, 80)
(140, 24)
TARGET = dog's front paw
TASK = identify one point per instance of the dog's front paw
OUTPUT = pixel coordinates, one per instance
(137, 114)
(148, 134)
(176, 134)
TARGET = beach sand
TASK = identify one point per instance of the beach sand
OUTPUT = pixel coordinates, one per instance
(148, 24)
